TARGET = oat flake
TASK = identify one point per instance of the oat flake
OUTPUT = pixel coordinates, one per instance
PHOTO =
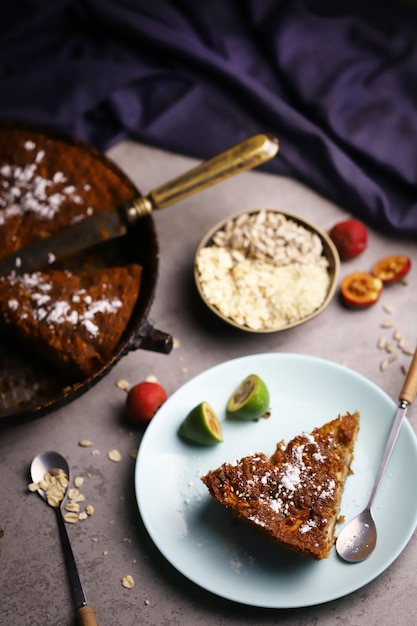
(114, 455)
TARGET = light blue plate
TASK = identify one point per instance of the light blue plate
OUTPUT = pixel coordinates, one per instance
(197, 535)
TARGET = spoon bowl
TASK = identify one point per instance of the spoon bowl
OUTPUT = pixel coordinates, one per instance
(53, 463)
(358, 538)
(44, 463)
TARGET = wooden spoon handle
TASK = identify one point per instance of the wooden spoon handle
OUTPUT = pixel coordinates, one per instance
(86, 616)
(409, 389)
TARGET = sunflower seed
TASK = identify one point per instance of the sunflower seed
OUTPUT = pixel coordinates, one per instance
(387, 324)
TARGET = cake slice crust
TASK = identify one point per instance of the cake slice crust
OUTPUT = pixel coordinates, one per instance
(294, 496)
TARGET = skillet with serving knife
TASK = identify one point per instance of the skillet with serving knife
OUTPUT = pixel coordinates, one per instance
(115, 222)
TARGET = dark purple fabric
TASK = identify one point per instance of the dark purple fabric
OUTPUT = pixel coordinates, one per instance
(336, 82)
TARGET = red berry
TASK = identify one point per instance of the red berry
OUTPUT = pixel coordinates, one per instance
(143, 400)
(350, 238)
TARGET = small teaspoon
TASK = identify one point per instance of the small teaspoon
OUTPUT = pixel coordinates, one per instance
(358, 538)
(51, 461)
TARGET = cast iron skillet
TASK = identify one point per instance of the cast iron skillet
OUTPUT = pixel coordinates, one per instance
(30, 389)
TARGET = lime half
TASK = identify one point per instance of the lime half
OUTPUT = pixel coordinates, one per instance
(250, 401)
(201, 425)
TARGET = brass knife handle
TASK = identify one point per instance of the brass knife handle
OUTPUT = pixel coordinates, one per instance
(246, 155)
(409, 389)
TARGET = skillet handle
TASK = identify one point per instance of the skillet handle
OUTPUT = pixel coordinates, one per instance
(149, 338)
(246, 155)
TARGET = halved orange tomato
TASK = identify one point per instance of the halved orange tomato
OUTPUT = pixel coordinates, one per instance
(391, 268)
(361, 290)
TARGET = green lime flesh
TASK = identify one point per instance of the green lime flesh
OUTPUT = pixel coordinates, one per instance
(201, 426)
(250, 401)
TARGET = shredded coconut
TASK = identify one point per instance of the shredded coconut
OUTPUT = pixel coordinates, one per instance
(42, 196)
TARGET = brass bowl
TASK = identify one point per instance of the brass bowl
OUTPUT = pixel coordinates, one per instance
(329, 252)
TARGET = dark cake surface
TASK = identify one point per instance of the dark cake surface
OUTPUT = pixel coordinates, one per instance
(75, 322)
(47, 184)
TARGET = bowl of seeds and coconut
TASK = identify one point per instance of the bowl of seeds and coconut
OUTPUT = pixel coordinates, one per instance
(266, 270)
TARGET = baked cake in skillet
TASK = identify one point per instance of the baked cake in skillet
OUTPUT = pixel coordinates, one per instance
(74, 322)
(293, 497)
(72, 319)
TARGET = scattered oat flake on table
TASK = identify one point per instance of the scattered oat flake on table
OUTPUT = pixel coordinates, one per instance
(133, 454)
(114, 455)
(128, 582)
(85, 443)
(122, 384)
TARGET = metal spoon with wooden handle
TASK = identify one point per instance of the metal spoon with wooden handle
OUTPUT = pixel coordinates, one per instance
(358, 538)
(54, 463)
(116, 221)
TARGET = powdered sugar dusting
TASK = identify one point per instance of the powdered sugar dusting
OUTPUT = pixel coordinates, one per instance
(24, 189)
(78, 310)
(284, 486)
